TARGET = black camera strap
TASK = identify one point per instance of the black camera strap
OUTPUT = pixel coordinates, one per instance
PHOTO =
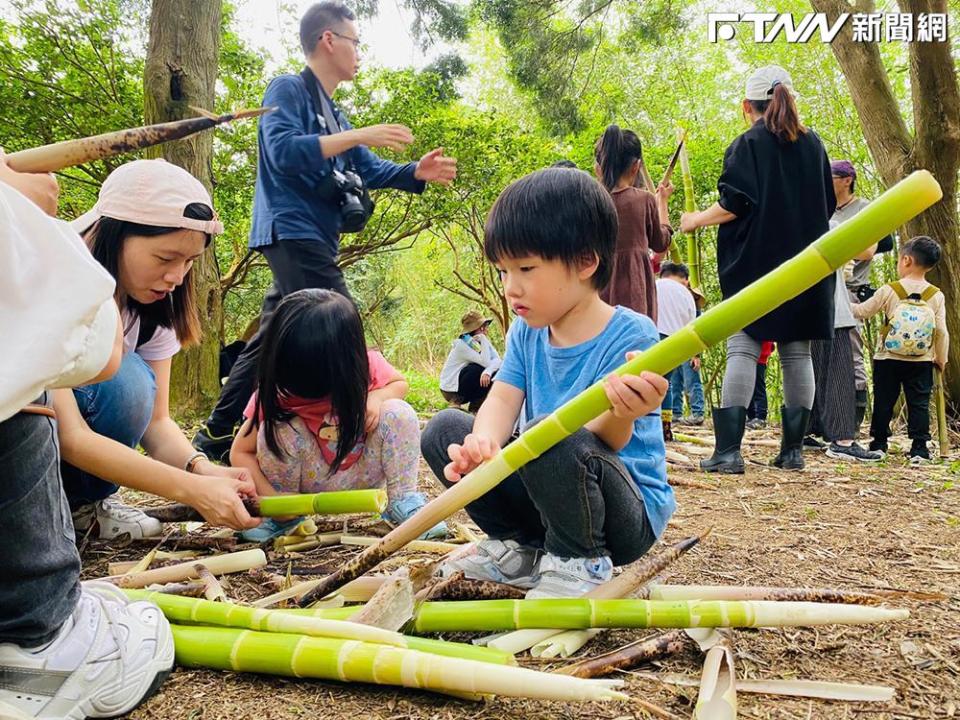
(323, 110)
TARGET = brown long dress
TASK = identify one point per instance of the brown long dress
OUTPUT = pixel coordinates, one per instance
(632, 283)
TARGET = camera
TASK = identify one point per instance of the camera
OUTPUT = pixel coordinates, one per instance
(356, 207)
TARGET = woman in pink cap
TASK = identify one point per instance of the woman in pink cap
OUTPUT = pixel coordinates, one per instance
(152, 221)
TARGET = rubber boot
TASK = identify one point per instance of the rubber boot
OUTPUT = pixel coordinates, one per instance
(861, 410)
(793, 421)
(728, 433)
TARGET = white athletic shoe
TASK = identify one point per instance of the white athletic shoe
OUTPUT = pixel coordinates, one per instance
(570, 577)
(114, 519)
(110, 656)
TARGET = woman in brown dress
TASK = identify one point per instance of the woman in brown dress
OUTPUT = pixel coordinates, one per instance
(643, 219)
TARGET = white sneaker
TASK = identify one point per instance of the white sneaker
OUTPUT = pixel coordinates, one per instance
(115, 518)
(502, 561)
(109, 657)
(570, 577)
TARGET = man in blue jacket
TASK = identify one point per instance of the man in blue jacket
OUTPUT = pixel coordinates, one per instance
(297, 218)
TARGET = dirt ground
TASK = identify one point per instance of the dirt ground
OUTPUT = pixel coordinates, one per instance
(834, 525)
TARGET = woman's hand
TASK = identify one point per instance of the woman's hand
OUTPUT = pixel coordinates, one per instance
(485, 380)
(219, 498)
(41, 188)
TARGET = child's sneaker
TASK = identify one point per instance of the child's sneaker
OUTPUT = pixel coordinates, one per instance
(755, 424)
(110, 656)
(269, 529)
(503, 561)
(405, 507)
(919, 454)
(570, 577)
(852, 452)
(115, 519)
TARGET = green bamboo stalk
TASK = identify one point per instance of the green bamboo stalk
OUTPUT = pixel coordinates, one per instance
(895, 207)
(579, 613)
(50, 158)
(325, 503)
(330, 623)
(943, 435)
(350, 660)
(689, 205)
(737, 592)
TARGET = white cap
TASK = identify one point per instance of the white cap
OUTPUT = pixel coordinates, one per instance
(150, 192)
(760, 85)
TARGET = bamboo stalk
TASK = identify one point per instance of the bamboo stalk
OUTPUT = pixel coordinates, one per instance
(628, 656)
(795, 688)
(217, 564)
(623, 585)
(897, 205)
(288, 542)
(733, 592)
(943, 435)
(459, 587)
(689, 205)
(57, 156)
(391, 607)
(329, 503)
(349, 660)
(192, 542)
(428, 546)
(581, 613)
(187, 589)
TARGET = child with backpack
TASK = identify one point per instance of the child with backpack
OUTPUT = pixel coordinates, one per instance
(328, 413)
(913, 340)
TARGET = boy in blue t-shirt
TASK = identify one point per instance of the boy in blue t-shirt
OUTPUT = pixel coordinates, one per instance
(600, 497)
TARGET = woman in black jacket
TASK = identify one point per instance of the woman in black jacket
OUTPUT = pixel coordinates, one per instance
(776, 198)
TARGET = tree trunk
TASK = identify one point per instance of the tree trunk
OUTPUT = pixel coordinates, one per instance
(934, 144)
(181, 70)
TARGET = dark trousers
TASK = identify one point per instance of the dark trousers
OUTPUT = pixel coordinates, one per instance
(834, 413)
(296, 265)
(758, 403)
(39, 565)
(575, 500)
(916, 379)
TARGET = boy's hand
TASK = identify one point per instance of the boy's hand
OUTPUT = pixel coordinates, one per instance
(475, 450)
(633, 396)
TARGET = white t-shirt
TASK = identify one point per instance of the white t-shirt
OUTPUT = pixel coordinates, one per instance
(58, 319)
(462, 354)
(675, 306)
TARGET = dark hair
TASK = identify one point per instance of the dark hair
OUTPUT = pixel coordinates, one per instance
(318, 19)
(179, 311)
(924, 250)
(554, 213)
(671, 269)
(615, 151)
(569, 164)
(780, 114)
(314, 348)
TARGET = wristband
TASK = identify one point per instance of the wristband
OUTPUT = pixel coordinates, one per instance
(192, 460)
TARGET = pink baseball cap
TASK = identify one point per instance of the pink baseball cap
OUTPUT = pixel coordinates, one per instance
(150, 192)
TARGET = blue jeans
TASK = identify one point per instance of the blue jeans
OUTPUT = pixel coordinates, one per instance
(692, 386)
(119, 408)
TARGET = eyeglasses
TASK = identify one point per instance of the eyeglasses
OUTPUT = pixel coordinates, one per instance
(355, 41)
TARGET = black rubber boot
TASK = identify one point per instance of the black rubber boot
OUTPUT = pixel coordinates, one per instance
(728, 433)
(793, 422)
(861, 410)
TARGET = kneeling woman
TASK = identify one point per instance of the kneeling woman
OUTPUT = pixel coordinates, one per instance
(151, 222)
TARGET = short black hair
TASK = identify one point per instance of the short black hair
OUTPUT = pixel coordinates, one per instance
(565, 164)
(554, 213)
(924, 250)
(672, 269)
(320, 17)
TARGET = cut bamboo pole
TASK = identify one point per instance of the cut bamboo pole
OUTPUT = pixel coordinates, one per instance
(943, 435)
(459, 587)
(352, 661)
(217, 564)
(718, 686)
(341, 502)
(689, 205)
(628, 656)
(294, 542)
(212, 589)
(623, 585)
(580, 613)
(428, 546)
(50, 158)
(892, 209)
(187, 589)
(820, 689)
(734, 592)
(390, 608)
